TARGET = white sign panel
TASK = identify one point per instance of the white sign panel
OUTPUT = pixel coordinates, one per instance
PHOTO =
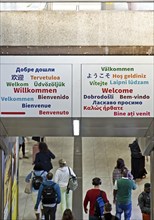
(117, 90)
(39, 90)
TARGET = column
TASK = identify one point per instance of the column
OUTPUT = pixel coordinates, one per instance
(77, 166)
(1, 185)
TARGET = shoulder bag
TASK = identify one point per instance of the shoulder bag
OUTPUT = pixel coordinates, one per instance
(72, 182)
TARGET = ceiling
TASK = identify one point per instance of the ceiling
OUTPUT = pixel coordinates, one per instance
(89, 127)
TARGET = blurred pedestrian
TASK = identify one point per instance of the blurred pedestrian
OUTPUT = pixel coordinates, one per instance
(68, 215)
(44, 157)
(117, 172)
(137, 161)
(22, 146)
(144, 202)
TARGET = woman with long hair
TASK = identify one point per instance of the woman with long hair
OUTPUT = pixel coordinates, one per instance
(44, 157)
(68, 215)
(117, 172)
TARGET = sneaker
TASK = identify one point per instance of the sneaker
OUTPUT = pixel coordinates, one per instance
(43, 217)
(25, 157)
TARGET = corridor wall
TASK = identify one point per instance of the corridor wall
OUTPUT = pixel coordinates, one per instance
(9, 180)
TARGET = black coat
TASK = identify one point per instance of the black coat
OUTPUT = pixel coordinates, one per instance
(109, 216)
(44, 158)
(135, 150)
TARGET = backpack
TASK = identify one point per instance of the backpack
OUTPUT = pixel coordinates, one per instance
(37, 181)
(99, 206)
(72, 182)
(49, 194)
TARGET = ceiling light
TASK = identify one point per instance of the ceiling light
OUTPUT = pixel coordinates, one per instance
(76, 127)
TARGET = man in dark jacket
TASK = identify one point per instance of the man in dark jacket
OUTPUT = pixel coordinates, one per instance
(144, 202)
(50, 199)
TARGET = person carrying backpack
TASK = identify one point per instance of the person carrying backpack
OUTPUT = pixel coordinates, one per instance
(97, 199)
(144, 202)
(37, 176)
(49, 194)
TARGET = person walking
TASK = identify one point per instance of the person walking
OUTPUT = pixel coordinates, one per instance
(22, 146)
(37, 176)
(137, 161)
(44, 157)
(144, 202)
(91, 197)
(68, 215)
(123, 195)
(62, 177)
(49, 194)
(107, 213)
(117, 172)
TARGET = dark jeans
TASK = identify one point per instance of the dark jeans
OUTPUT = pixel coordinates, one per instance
(93, 217)
(50, 212)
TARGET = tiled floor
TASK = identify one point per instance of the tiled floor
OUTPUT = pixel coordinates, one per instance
(99, 157)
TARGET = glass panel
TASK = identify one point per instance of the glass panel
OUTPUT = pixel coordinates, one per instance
(21, 6)
(142, 6)
(64, 6)
(90, 6)
(77, 6)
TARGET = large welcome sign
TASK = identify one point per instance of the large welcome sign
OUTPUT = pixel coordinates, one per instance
(117, 90)
(36, 90)
(77, 86)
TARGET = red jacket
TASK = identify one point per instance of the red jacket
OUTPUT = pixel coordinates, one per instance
(91, 197)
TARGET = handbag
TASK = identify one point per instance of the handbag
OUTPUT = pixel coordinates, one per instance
(28, 187)
(72, 182)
